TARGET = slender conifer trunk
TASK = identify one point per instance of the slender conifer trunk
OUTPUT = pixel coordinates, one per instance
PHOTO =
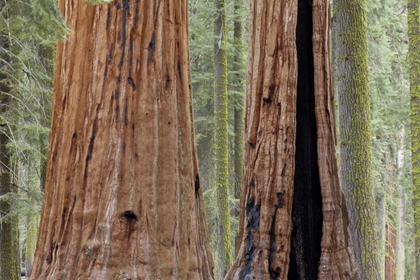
(352, 83)
(414, 70)
(9, 237)
(221, 145)
(239, 80)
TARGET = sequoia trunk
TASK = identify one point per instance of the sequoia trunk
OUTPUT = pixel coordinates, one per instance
(123, 197)
(290, 174)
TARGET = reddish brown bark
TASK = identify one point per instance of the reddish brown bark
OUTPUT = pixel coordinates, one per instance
(290, 174)
(123, 197)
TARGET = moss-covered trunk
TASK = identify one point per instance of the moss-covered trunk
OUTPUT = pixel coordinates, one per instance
(414, 72)
(352, 83)
(290, 171)
(221, 145)
(9, 241)
(238, 68)
(9, 237)
(123, 198)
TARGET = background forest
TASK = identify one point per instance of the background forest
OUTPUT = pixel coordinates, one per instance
(218, 30)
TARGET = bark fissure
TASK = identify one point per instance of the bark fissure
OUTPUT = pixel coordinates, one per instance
(139, 211)
(307, 200)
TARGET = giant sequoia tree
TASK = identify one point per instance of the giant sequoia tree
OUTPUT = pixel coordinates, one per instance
(290, 176)
(123, 197)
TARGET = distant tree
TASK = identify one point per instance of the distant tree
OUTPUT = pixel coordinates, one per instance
(290, 170)
(123, 196)
(32, 28)
(9, 233)
(414, 70)
(352, 83)
(238, 94)
(221, 141)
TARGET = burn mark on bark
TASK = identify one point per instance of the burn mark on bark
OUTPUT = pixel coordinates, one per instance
(280, 200)
(266, 100)
(117, 113)
(154, 8)
(130, 81)
(197, 183)
(90, 147)
(108, 59)
(129, 215)
(126, 114)
(252, 214)
(274, 272)
(174, 233)
(130, 52)
(285, 144)
(179, 67)
(151, 48)
(136, 13)
(50, 254)
(283, 171)
(249, 256)
(168, 81)
(108, 17)
(124, 31)
(118, 5)
(307, 201)
(253, 222)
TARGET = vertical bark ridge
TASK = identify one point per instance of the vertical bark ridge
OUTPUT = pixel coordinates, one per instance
(267, 187)
(352, 81)
(413, 18)
(121, 199)
(337, 261)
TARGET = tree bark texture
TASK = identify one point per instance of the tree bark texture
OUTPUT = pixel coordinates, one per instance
(290, 173)
(9, 237)
(239, 79)
(221, 143)
(391, 244)
(414, 68)
(123, 198)
(352, 83)
(400, 243)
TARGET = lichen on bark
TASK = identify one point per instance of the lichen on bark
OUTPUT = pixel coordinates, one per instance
(352, 83)
(414, 68)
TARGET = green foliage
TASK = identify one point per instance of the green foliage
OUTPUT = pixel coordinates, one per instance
(390, 108)
(31, 29)
(202, 68)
